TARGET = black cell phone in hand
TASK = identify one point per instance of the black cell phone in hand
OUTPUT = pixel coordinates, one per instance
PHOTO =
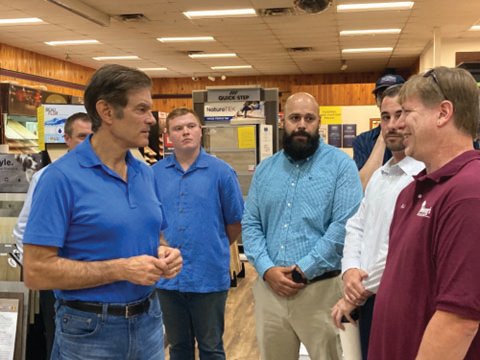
(355, 315)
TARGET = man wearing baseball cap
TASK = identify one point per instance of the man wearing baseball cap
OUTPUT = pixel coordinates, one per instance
(369, 151)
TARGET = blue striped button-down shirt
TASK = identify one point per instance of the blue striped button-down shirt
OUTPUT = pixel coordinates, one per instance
(296, 211)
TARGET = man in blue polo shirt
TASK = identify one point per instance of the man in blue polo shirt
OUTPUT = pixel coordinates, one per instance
(203, 207)
(94, 229)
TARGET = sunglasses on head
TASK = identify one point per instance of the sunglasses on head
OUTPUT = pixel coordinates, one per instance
(432, 74)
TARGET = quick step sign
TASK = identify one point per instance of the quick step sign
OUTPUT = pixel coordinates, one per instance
(219, 95)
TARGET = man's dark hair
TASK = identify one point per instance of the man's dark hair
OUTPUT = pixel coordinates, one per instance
(112, 83)
(391, 91)
(72, 118)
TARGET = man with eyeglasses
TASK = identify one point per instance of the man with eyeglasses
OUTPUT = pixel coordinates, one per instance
(428, 303)
(203, 207)
(293, 232)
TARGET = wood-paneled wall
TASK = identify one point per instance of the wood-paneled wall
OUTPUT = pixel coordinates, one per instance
(169, 93)
(28, 62)
(329, 89)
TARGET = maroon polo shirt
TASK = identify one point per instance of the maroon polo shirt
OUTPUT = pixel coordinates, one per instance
(433, 261)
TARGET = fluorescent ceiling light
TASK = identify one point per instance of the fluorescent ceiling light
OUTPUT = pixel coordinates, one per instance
(20, 21)
(475, 28)
(364, 50)
(72, 42)
(219, 13)
(204, 56)
(191, 38)
(369, 32)
(231, 67)
(81, 9)
(153, 69)
(103, 58)
(401, 5)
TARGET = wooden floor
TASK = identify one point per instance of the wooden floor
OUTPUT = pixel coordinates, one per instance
(239, 337)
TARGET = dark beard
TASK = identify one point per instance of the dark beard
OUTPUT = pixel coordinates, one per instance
(298, 150)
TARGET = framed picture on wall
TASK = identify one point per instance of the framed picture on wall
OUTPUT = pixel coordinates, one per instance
(374, 122)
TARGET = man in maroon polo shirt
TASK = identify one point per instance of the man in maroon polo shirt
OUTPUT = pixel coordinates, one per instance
(428, 303)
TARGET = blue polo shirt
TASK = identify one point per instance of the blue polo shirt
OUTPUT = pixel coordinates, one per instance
(89, 213)
(198, 204)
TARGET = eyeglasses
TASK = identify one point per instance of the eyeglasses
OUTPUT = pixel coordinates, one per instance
(431, 73)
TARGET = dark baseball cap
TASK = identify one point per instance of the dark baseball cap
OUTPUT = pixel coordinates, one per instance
(386, 81)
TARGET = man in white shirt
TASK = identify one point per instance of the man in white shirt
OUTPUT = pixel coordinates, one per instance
(366, 240)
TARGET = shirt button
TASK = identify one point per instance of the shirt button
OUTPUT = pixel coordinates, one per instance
(289, 205)
(419, 196)
(281, 247)
(297, 165)
(293, 184)
(285, 226)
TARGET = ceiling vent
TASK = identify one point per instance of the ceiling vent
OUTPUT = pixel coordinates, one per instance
(193, 52)
(128, 18)
(281, 11)
(300, 49)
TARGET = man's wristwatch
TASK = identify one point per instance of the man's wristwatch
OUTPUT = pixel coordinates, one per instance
(298, 277)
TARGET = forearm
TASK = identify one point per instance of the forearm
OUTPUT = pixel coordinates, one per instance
(447, 336)
(375, 161)
(66, 274)
(44, 269)
(233, 231)
(163, 241)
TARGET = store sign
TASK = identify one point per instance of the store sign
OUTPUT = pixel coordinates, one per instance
(226, 111)
(233, 95)
(51, 121)
(16, 171)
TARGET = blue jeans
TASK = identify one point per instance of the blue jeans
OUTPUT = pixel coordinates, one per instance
(189, 316)
(84, 335)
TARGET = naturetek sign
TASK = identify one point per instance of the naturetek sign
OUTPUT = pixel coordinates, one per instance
(218, 95)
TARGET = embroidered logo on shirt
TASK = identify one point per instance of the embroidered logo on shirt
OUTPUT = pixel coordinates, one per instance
(424, 211)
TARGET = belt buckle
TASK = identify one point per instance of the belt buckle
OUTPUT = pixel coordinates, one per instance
(126, 312)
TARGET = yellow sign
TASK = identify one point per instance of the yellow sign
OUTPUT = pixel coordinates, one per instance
(331, 115)
(246, 137)
(41, 127)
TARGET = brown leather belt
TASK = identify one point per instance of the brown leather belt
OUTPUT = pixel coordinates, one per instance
(128, 310)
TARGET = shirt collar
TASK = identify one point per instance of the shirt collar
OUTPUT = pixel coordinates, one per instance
(88, 158)
(407, 165)
(451, 168)
(200, 161)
